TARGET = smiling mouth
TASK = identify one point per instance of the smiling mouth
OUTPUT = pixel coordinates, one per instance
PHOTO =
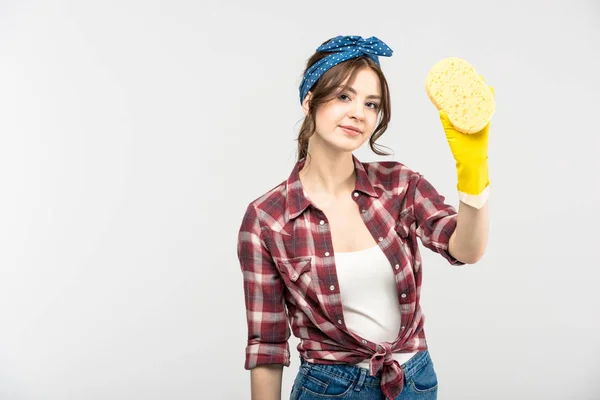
(351, 129)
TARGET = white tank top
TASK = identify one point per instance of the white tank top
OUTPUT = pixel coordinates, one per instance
(369, 297)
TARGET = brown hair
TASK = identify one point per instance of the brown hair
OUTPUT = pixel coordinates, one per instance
(326, 89)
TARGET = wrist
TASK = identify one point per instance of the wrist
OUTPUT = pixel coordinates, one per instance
(473, 177)
(475, 200)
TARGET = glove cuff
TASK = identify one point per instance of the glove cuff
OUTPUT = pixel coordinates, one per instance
(472, 178)
(476, 201)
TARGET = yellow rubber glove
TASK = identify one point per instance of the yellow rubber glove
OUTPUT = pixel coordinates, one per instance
(470, 153)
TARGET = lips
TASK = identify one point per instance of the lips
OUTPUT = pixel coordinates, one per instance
(351, 128)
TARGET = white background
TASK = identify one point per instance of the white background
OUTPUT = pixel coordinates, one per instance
(133, 134)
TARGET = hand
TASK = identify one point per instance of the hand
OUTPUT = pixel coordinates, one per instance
(470, 153)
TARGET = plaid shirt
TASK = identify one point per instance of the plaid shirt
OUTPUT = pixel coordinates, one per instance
(287, 260)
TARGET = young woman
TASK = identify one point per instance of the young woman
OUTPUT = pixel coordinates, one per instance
(332, 251)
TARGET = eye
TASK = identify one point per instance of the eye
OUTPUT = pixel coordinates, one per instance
(371, 105)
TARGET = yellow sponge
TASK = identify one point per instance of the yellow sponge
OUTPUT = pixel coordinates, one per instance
(455, 87)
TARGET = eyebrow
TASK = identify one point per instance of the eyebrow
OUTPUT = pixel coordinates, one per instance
(371, 96)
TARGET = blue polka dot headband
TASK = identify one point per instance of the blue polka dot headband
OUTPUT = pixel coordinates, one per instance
(343, 48)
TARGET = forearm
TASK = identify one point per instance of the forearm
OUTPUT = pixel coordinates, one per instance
(265, 382)
(469, 240)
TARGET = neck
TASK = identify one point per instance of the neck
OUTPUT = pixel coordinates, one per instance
(328, 175)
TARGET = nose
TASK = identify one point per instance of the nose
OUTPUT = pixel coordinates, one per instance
(357, 111)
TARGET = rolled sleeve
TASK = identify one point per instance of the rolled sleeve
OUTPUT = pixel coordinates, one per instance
(268, 328)
(436, 220)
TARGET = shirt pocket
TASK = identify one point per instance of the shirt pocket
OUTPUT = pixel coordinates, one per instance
(297, 275)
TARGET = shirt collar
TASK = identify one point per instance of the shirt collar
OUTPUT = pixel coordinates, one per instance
(297, 202)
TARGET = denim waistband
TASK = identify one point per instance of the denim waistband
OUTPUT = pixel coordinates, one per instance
(354, 372)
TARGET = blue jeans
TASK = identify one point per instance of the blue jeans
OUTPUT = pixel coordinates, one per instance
(349, 382)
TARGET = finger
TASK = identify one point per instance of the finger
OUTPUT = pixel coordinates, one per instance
(445, 120)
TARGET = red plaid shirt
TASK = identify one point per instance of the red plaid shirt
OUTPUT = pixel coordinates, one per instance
(287, 260)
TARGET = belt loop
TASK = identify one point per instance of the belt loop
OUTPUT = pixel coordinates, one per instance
(361, 380)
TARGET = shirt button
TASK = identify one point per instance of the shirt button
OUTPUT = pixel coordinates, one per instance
(397, 266)
(294, 277)
(402, 327)
(339, 321)
(326, 254)
(403, 295)
(332, 288)
(364, 211)
(364, 342)
(321, 222)
(380, 239)
(355, 194)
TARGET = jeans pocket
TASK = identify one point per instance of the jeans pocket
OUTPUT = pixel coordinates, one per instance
(300, 377)
(323, 385)
(424, 380)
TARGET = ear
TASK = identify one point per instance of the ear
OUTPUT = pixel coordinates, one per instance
(305, 103)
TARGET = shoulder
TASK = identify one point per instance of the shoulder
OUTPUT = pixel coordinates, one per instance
(269, 204)
(390, 176)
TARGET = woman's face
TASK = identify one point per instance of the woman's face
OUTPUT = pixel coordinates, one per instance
(356, 108)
